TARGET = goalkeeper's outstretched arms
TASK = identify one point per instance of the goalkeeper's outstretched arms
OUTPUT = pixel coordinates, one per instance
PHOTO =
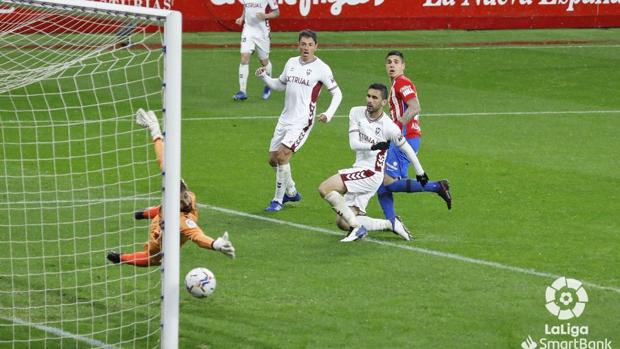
(221, 244)
(148, 119)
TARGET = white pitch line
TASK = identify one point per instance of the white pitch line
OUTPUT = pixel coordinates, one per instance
(435, 253)
(543, 112)
(60, 333)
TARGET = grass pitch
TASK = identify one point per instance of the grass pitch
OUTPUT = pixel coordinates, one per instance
(522, 123)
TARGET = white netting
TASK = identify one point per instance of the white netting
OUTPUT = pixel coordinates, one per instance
(73, 169)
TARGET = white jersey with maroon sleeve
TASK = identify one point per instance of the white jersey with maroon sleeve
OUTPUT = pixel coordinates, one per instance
(303, 82)
(253, 25)
(372, 132)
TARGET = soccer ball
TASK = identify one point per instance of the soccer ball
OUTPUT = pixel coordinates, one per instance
(200, 282)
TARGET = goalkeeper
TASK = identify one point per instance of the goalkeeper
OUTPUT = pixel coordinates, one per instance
(189, 229)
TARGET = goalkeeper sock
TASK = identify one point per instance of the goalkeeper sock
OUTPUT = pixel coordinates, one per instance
(268, 68)
(386, 200)
(139, 259)
(244, 71)
(283, 173)
(411, 186)
(374, 223)
(340, 207)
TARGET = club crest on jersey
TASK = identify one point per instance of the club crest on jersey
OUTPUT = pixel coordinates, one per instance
(190, 223)
(308, 71)
(377, 131)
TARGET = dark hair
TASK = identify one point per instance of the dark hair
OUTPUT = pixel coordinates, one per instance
(395, 53)
(379, 87)
(307, 33)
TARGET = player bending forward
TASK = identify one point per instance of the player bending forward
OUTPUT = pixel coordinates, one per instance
(370, 134)
(189, 229)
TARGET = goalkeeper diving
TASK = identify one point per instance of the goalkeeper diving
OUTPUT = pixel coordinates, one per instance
(189, 229)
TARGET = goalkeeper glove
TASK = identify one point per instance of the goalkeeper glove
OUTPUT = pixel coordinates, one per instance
(224, 245)
(149, 120)
(380, 146)
(423, 179)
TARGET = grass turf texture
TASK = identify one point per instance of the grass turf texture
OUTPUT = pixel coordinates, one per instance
(534, 191)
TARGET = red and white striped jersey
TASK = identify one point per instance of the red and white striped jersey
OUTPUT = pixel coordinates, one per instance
(303, 85)
(372, 132)
(250, 9)
(401, 92)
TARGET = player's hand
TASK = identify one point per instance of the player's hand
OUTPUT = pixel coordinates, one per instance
(423, 179)
(380, 146)
(324, 118)
(149, 120)
(261, 71)
(224, 245)
(260, 16)
(239, 21)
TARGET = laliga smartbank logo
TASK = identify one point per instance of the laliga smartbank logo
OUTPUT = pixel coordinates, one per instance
(566, 299)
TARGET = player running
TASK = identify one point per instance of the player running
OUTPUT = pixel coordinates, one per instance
(370, 134)
(405, 112)
(302, 79)
(256, 36)
(189, 229)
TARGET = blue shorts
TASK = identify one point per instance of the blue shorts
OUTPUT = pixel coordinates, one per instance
(396, 162)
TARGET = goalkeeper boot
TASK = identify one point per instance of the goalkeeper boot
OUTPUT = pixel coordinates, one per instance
(399, 228)
(114, 257)
(291, 198)
(356, 234)
(444, 192)
(266, 92)
(240, 96)
(274, 206)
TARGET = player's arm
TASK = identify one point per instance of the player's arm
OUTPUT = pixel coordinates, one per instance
(148, 120)
(398, 139)
(278, 84)
(413, 110)
(354, 138)
(333, 106)
(239, 21)
(221, 244)
(271, 15)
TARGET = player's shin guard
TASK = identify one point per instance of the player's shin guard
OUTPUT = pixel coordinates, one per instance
(412, 186)
(336, 200)
(244, 71)
(283, 175)
(386, 200)
(374, 223)
(139, 259)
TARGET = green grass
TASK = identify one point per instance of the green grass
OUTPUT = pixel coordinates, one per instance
(532, 161)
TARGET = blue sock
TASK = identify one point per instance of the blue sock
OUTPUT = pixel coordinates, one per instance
(386, 200)
(411, 186)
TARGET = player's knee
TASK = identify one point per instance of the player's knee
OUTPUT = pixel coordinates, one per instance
(245, 58)
(323, 189)
(282, 157)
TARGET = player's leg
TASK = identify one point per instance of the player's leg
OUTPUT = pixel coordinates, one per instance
(392, 171)
(138, 259)
(280, 158)
(407, 185)
(247, 47)
(332, 190)
(262, 50)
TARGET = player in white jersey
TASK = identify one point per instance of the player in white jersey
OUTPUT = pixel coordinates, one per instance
(370, 134)
(256, 36)
(302, 79)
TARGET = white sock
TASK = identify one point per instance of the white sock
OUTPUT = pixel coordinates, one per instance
(244, 71)
(338, 205)
(290, 184)
(268, 68)
(374, 223)
(283, 173)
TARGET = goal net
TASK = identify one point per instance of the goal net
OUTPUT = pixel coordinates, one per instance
(74, 166)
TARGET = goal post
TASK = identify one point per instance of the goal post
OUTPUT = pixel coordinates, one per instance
(74, 167)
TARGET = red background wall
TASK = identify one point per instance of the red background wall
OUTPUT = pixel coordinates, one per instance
(219, 15)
